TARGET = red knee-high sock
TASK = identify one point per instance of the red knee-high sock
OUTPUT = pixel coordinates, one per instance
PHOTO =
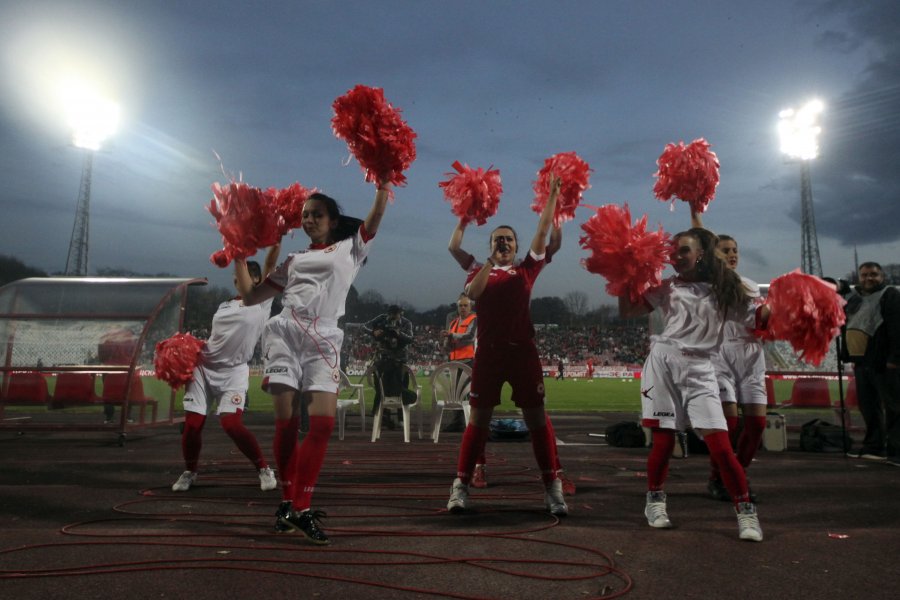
(732, 472)
(542, 442)
(750, 438)
(470, 449)
(192, 439)
(732, 423)
(246, 442)
(658, 462)
(284, 444)
(557, 466)
(309, 458)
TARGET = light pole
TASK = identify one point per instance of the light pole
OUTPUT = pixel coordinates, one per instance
(799, 133)
(92, 119)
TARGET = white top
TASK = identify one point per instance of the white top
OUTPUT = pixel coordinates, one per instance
(235, 330)
(739, 328)
(315, 282)
(691, 319)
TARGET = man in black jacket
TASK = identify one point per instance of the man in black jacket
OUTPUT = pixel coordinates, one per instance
(871, 341)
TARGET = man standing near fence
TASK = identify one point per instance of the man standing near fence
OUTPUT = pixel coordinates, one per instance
(871, 341)
(459, 340)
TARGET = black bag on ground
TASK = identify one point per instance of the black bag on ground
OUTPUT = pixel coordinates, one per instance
(626, 434)
(821, 436)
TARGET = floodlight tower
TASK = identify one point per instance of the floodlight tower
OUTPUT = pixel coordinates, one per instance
(799, 141)
(93, 119)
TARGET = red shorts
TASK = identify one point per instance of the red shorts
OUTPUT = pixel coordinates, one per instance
(517, 364)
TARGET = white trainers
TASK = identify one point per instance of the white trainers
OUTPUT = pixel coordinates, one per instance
(459, 497)
(655, 511)
(184, 482)
(554, 500)
(748, 522)
(267, 480)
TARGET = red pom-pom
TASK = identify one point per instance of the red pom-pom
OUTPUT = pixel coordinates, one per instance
(807, 312)
(628, 256)
(220, 259)
(288, 205)
(176, 358)
(245, 217)
(473, 194)
(688, 172)
(573, 173)
(376, 135)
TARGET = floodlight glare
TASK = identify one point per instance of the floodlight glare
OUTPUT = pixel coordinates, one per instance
(92, 117)
(799, 132)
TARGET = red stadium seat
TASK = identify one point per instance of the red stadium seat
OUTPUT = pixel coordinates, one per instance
(114, 392)
(28, 388)
(810, 392)
(74, 388)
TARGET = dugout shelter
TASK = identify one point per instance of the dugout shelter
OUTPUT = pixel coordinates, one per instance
(76, 353)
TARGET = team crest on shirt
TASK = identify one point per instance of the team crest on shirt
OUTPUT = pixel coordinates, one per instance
(236, 399)
(335, 375)
(331, 248)
(540, 388)
(512, 271)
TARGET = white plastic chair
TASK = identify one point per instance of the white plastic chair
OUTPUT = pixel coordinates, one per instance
(388, 402)
(450, 385)
(357, 398)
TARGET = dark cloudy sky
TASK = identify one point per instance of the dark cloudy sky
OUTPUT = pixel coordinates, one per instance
(487, 83)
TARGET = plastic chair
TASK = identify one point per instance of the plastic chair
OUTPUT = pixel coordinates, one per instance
(28, 388)
(388, 402)
(357, 398)
(450, 385)
(74, 388)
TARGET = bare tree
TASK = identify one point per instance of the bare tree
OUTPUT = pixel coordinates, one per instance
(577, 304)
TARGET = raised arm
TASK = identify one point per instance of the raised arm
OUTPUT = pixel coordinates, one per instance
(373, 219)
(629, 309)
(555, 242)
(463, 258)
(271, 259)
(539, 243)
(251, 294)
(696, 219)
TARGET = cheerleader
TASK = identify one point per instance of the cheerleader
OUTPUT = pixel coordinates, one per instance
(303, 345)
(678, 383)
(506, 353)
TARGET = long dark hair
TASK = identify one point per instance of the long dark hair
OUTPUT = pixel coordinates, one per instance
(346, 226)
(729, 290)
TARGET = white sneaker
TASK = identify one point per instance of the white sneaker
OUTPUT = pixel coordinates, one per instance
(655, 511)
(184, 482)
(267, 480)
(554, 500)
(459, 497)
(748, 522)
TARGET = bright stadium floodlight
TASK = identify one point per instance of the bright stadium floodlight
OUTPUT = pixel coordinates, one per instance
(799, 132)
(92, 117)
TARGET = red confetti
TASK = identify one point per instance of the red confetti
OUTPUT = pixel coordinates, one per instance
(805, 311)
(838, 536)
(377, 136)
(628, 256)
(473, 194)
(688, 172)
(176, 358)
(574, 175)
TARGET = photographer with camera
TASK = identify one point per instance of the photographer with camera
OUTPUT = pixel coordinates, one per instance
(392, 334)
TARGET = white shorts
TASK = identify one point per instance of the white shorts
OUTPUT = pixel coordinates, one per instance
(226, 387)
(302, 354)
(741, 371)
(679, 389)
